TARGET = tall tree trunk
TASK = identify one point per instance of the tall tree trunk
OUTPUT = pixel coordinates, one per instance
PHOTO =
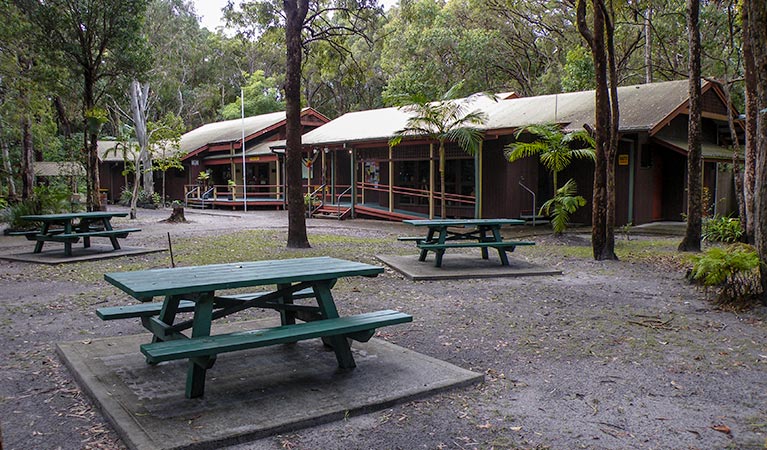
(752, 108)
(648, 46)
(27, 160)
(608, 252)
(8, 168)
(757, 32)
(64, 123)
(737, 173)
(691, 241)
(139, 100)
(295, 14)
(602, 239)
(90, 144)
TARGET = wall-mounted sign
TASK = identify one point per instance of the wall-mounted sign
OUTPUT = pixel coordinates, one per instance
(195, 162)
(623, 160)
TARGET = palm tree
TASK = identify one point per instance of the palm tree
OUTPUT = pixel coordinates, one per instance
(445, 120)
(553, 147)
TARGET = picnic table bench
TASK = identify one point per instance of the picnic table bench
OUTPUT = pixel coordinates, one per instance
(69, 228)
(197, 290)
(473, 233)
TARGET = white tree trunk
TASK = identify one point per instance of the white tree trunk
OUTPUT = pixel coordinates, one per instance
(138, 105)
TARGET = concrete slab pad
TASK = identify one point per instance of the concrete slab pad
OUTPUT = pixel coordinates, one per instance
(248, 394)
(462, 266)
(55, 254)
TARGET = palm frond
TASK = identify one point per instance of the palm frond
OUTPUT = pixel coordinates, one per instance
(519, 150)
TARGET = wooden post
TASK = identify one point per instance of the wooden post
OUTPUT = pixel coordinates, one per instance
(391, 180)
(431, 181)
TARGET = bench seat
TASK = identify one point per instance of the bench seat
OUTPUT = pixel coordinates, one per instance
(464, 244)
(411, 238)
(439, 249)
(209, 346)
(153, 309)
(121, 233)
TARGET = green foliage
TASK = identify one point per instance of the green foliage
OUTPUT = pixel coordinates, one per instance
(578, 71)
(560, 207)
(262, 95)
(722, 229)
(145, 199)
(46, 200)
(732, 271)
(553, 147)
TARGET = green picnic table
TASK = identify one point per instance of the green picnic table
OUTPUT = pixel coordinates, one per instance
(201, 290)
(462, 233)
(69, 228)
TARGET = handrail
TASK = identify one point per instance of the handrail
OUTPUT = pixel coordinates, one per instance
(311, 209)
(338, 200)
(188, 194)
(533, 194)
(202, 197)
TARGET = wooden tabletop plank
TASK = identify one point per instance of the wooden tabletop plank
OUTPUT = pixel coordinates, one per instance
(462, 222)
(145, 284)
(71, 216)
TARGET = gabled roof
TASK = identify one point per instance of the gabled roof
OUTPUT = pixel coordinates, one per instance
(58, 169)
(231, 130)
(642, 108)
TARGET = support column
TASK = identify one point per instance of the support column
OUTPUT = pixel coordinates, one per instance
(391, 180)
(431, 181)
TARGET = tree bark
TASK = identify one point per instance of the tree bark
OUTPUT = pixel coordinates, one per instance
(27, 160)
(757, 33)
(139, 98)
(602, 236)
(295, 14)
(648, 46)
(752, 108)
(691, 241)
(8, 169)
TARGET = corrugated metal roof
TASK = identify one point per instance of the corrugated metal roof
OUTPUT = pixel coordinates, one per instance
(641, 108)
(59, 169)
(228, 130)
(376, 124)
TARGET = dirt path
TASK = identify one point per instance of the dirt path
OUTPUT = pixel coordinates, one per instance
(607, 355)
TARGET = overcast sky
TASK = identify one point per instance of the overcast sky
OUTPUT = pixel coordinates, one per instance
(210, 10)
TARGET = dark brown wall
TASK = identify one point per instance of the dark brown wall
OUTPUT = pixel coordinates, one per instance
(502, 195)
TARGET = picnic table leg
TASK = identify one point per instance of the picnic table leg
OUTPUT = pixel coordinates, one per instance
(286, 317)
(328, 311)
(438, 257)
(502, 255)
(429, 238)
(195, 375)
(483, 238)
(39, 244)
(108, 226)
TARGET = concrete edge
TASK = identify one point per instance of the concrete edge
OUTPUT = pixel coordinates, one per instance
(99, 397)
(135, 438)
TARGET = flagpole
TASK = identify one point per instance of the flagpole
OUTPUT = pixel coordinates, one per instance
(244, 177)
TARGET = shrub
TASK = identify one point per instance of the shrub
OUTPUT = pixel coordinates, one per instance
(46, 200)
(722, 229)
(564, 203)
(733, 271)
(145, 199)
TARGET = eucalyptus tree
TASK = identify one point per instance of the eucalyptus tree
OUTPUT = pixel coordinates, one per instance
(600, 39)
(445, 120)
(692, 236)
(304, 22)
(98, 42)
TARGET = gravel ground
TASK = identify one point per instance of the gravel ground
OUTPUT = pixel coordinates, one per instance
(608, 355)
